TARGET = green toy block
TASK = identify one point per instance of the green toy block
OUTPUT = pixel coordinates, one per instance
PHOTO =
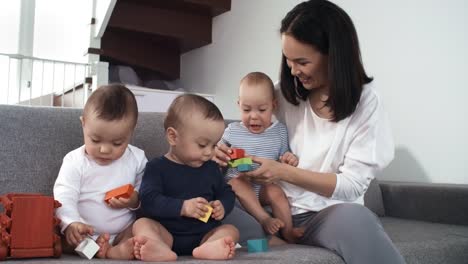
(257, 245)
(236, 162)
(244, 167)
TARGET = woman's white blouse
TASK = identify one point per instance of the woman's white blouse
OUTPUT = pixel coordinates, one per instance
(354, 149)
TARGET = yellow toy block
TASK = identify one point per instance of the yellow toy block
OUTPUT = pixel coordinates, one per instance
(207, 214)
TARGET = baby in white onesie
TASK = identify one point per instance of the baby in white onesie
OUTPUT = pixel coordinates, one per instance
(106, 161)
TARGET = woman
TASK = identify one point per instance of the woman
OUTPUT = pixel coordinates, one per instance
(338, 130)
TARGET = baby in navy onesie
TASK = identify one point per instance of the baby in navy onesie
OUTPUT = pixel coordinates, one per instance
(177, 188)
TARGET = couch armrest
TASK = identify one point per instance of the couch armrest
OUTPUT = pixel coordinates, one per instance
(440, 203)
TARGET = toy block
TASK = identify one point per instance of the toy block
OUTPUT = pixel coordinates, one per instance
(124, 191)
(87, 248)
(236, 162)
(20, 237)
(237, 153)
(207, 214)
(244, 167)
(257, 245)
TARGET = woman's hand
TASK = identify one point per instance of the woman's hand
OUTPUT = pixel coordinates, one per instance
(221, 156)
(268, 172)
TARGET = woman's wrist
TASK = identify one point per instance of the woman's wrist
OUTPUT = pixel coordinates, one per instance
(285, 172)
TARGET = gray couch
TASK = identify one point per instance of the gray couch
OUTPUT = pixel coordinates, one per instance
(427, 222)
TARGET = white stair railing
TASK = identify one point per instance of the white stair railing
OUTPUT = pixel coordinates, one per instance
(29, 80)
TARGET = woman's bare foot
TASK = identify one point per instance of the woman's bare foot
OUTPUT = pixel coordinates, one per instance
(223, 248)
(272, 225)
(146, 249)
(123, 250)
(103, 242)
(293, 235)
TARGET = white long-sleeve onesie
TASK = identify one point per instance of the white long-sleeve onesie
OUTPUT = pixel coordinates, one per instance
(82, 183)
(354, 149)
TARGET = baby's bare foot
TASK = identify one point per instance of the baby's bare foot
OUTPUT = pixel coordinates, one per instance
(272, 225)
(293, 235)
(103, 242)
(223, 248)
(152, 250)
(123, 250)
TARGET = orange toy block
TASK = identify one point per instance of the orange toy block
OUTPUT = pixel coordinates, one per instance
(237, 153)
(28, 225)
(207, 214)
(124, 191)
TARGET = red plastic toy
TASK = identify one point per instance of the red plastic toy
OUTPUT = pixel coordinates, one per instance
(27, 226)
(237, 153)
(124, 191)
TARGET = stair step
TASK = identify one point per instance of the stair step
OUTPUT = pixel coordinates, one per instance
(203, 7)
(142, 50)
(151, 34)
(193, 29)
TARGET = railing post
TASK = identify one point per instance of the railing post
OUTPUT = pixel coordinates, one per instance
(100, 74)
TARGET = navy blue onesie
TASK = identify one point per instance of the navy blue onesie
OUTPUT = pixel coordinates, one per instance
(167, 184)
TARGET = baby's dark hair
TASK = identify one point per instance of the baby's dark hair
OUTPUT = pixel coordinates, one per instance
(112, 102)
(254, 78)
(187, 104)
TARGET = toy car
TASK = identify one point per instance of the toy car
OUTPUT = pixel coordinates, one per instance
(28, 225)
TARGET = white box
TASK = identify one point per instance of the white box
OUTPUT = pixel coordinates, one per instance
(87, 248)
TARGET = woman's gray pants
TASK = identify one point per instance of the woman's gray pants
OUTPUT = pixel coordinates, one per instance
(350, 230)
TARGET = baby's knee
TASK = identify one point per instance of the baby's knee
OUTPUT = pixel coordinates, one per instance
(143, 223)
(232, 230)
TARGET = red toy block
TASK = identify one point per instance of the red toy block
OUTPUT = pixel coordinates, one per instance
(28, 226)
(124, 191)
(237, 153)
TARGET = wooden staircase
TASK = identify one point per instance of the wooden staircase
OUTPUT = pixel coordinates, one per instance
(150, 35)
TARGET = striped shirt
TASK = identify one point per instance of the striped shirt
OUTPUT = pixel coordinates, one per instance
(270, 144)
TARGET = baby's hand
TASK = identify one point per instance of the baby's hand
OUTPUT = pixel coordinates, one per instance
(218, 210)
(76, 232)
(195, 207)
(289, 158)
(118, 203)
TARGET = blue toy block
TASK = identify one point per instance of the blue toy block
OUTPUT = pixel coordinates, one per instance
(244, 167)
(257, 245)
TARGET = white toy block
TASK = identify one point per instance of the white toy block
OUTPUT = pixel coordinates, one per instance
(87, 248)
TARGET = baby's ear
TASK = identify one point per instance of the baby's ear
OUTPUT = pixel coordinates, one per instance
(82, 120)
(275, 103)
(171, 136)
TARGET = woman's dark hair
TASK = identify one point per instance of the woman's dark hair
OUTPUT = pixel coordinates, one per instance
(330, 30)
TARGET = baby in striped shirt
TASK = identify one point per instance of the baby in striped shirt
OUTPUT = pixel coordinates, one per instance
(259, 136)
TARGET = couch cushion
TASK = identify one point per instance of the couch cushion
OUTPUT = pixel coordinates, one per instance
(150, 135)
(280, 254)
(425, 242)
(34, 141)
(373, 198)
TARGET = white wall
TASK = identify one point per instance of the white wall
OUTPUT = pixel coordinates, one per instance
(9, 26)
(416, 50)
(245, 39)
(61, 29)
